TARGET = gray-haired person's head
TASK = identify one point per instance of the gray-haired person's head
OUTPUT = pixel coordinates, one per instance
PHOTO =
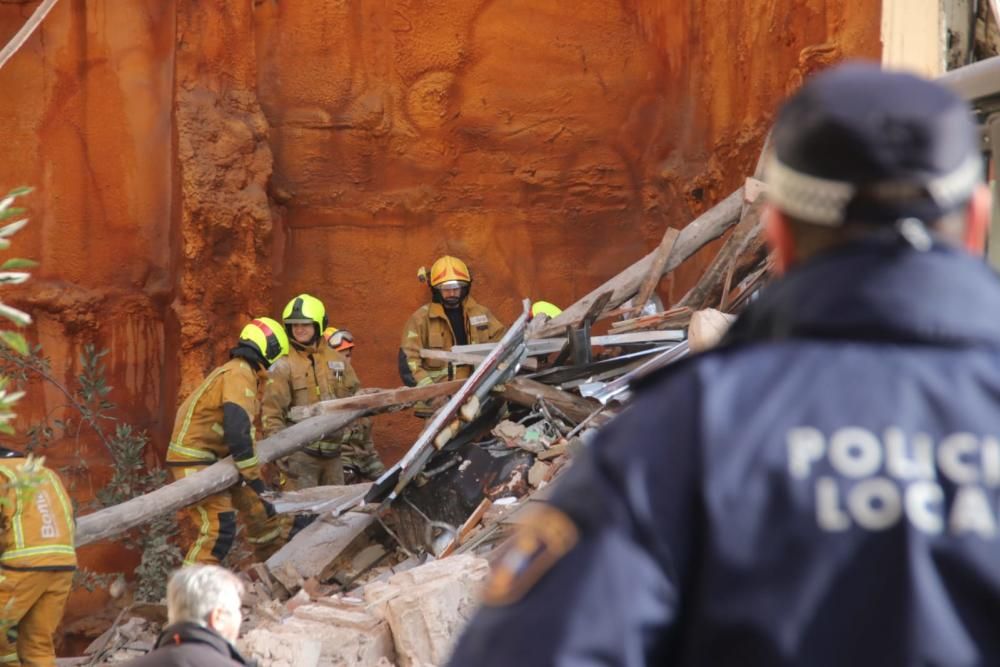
(207, 595)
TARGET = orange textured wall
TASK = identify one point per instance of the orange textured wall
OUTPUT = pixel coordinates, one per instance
(547, 143)
(201, 161)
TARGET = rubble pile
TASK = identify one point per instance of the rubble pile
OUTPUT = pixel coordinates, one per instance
(387, 572)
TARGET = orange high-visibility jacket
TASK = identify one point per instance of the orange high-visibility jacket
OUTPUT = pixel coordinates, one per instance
(430, 328)
(306, 376)
(217, 420)
(37, 530)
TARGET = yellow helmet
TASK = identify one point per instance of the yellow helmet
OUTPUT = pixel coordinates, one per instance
(450, 269)
(305, 309)
(267, 337)
(338, 339)
(545, 308)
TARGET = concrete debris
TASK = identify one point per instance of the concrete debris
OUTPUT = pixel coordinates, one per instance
(332, 633)
(410, 620)
(537, 474)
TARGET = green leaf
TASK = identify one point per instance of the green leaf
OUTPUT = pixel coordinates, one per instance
(18, 263)
(14, 341)
(21, 191)
(13, 228)
(19, 317)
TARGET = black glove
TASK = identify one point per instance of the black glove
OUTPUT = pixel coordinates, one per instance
(260, 488)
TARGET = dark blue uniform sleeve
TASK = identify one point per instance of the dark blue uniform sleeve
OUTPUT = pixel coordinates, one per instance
(613, 598)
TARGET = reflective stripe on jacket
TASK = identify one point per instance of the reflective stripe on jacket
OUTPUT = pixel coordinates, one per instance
(306, 376)
(38, 530)
(199, 435)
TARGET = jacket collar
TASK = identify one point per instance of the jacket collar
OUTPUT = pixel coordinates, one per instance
(192, 633)
(880, 290)
(437, 309)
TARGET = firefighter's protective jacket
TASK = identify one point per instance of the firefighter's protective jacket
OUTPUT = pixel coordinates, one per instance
(37, 530)
(429, 328)
(306, 376)
(217, 420)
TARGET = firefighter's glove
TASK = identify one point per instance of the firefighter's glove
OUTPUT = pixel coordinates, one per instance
(260, 488)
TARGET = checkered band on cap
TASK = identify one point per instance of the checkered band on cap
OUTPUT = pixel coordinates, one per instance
(824, 201)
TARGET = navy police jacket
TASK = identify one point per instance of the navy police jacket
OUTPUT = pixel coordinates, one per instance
(820, 490)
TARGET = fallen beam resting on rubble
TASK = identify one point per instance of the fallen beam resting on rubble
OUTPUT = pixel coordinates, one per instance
(736, 258)
(319, 544)
(374, 401)
(466, 359)
(542, 346)
(655, 274)
(221, 475)
(528, 392)
(706, 227)
(675, 318)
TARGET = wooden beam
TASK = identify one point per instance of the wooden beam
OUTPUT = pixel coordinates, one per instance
(527, 392)
(380, 400)
(708, 226)
(675, 318)
(217, 477)
(319, 544)
(656, 268)
(747, 237)
(468, 359)
(549, 345)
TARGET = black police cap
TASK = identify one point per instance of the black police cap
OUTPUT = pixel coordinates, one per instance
(860, 144)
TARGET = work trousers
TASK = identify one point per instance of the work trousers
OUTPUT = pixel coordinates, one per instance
(31, 608)
(304, 471)
(215, 519)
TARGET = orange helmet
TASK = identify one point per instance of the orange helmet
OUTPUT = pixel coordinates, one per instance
(450, 271)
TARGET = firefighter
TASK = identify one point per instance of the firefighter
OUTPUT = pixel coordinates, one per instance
(312, 372)
(358, 453)
(37, 561)
(452, 317)
(217, 420)
(822, 487)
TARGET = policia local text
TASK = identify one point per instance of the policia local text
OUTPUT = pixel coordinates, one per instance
(871, 482)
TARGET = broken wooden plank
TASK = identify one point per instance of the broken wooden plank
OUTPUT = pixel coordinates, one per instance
(221, 475)
(708, 226)
(709, 288)
(741, 294)
(656, 267)
(466, 359)
(528, 392)
(544, 346)
(462, 534)
(316, 546)
(320, 499)
(375, 401)
(675, 318)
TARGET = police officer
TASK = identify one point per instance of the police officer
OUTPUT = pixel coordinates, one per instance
(216, 420)
(37, 558)
(822, 488)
